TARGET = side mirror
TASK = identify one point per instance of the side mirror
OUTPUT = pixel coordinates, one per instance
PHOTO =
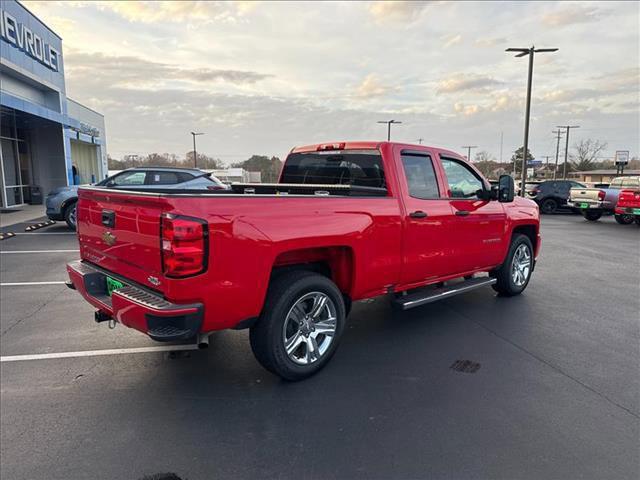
(506, 188)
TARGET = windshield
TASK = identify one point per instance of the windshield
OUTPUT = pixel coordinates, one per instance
(344, 167)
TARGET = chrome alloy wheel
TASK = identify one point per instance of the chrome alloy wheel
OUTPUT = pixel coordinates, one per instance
(309, 328)
(521, 265)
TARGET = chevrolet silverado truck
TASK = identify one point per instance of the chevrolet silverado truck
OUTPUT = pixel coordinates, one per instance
(629, 203)
(347, 221)
(595, 202)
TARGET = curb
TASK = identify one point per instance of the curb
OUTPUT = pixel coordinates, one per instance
(39, 225)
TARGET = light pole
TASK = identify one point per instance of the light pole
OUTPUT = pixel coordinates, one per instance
(523, 52)
(469, 147)
(566, 150)
(388, 122)
(559, 134)
(420, 141)
(195, 155)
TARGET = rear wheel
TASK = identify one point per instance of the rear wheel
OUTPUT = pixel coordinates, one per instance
(514, 274)
(70, 215)
(592, 215)
(300, 326)
(548, 206)
(623, 219)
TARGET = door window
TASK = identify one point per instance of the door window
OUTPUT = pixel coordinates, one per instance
(130, 178)
(164, 178)
(463, 182)
(421, 177)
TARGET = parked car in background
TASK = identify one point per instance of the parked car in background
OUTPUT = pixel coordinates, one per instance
(629, 203)
(529, 187)
(552, 194)
(61, 202)
(595, 202)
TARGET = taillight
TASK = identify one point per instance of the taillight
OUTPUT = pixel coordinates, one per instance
(184, 245)
(601, 195)
(330, 146)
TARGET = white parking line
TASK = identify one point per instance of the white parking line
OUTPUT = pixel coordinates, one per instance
(25, 284)
(5, 252)
(96, 353)
(39, 251)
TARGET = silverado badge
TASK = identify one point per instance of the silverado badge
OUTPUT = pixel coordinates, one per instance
(109, 238)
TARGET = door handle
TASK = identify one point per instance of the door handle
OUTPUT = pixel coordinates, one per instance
(462, 213)
(418, 214)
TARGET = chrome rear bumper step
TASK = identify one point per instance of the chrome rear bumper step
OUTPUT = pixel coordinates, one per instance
(416, 299)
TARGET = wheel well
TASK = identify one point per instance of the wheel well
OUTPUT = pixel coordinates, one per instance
(530, 231)
(335, 263)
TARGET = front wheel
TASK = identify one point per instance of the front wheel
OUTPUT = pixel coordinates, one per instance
(514, 274)
(592, 215)
(300, 326)
(70, 216)
(623, 219)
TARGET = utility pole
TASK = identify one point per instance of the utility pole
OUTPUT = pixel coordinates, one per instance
(559, 134)
(388, 122)
(501, 143)
(523, 52)
(420, 141)
(469, 147)
(546, 165)
(195, 155)
(566, 150)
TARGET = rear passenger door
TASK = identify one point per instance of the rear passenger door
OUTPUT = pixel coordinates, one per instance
(479, 226)
(427, 216)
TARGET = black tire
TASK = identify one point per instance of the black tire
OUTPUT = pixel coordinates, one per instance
(638, 221)
(505, 284)
(70, 215)
(267, 335)
(592, 215)
(623, 219)
(548, 206)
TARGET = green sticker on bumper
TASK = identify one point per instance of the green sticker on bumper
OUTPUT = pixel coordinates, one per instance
(113, 284)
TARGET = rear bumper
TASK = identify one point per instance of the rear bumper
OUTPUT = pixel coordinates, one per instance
(590, 204)
(136, 307)
(628, 210)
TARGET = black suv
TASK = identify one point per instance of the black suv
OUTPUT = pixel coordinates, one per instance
(552, 194)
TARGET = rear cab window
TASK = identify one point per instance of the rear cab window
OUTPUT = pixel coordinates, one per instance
(631, 182)
(420, 176)
(363, 168)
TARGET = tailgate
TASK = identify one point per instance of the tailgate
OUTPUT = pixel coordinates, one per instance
(120, 232)
(584, 194)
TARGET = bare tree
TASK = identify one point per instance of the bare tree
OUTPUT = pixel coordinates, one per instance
(586, 154)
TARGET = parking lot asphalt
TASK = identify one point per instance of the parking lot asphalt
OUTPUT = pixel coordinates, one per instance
(556, 394)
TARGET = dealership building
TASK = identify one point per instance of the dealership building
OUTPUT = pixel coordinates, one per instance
(48, 140)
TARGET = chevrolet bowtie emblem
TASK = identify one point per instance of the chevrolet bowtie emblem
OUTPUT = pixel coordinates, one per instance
(109, 238)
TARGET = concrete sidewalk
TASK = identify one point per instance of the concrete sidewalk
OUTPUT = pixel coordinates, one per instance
(21, 214)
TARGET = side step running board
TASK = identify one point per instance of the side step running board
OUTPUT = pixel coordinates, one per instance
(434, 294)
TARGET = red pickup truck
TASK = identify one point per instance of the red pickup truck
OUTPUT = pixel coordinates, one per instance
(629, 203)
(346, 222)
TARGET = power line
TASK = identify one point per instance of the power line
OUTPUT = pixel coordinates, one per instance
(469, 147)
(566, 150)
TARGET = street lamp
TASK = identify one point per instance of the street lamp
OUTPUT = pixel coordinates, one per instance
(469, 147)
(522, 53)
(566, 150)
(195, 155)
(388, 122)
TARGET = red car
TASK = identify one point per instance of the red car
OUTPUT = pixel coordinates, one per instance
(346, 222)
(629, 203)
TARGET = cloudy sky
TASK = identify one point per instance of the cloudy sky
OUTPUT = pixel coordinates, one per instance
(261, 77)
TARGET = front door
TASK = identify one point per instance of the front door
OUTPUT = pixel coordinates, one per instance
(427, 219)
(479, 226)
